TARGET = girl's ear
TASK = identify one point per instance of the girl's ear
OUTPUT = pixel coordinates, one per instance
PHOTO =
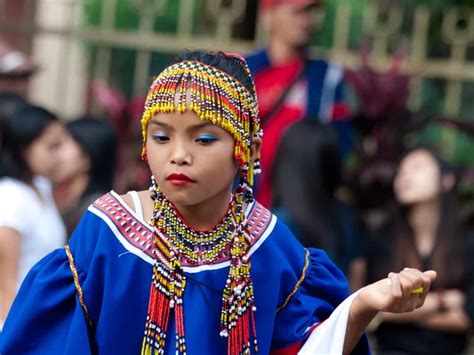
(255, 149)
(447, 182)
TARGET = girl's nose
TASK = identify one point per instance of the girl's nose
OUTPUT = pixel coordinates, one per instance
(181, 155)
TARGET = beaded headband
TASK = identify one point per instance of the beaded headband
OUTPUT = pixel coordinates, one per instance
(214, 96)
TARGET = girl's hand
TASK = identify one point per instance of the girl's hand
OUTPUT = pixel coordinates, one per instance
(400, 292)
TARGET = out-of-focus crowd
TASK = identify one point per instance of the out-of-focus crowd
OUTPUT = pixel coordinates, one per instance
(50, 172)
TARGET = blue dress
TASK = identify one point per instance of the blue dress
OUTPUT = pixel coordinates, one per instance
(103, 309)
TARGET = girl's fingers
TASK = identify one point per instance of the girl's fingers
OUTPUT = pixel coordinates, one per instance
(408, 289)
(415, 276)
(395, 284)
(409, 282)
(395, 290)
(431, 274)
(406, 284)
(421, 285)
(427, 278)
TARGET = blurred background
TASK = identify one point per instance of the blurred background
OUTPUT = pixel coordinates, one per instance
(408, 67)
(98, 57)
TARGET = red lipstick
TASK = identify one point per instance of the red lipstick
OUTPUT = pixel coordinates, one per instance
(179, 179)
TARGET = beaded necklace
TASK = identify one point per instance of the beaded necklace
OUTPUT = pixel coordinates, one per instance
(218, 97)
(195, 247)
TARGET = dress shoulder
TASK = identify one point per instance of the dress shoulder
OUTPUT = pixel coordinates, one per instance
(46, 313)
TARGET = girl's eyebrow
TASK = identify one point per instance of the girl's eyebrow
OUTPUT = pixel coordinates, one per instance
(193, 128)
(158, 123)
(199, 126)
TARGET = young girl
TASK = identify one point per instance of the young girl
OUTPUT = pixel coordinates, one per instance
(91, 155)
(30, 224)
(195, 265)
(426, 233)
(306, 174)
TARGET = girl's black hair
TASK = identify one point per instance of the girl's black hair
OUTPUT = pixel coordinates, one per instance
(231, 64)
(10, 103)
(447, 256)
(19, 130)
(98, 141)
(305, 176)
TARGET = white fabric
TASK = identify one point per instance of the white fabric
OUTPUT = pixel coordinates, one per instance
(137, 203)
(328, 337)
(333, 77)
(36, 219)
(12, 61)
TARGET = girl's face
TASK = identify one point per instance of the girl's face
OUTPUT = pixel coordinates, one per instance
(418, 178)
(74, 161)
(292, 23)
(192, 160)
(43, 155)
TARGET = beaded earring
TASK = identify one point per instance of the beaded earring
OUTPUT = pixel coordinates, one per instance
(257, 170)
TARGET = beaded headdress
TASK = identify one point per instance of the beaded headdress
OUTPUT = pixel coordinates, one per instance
(215, 96)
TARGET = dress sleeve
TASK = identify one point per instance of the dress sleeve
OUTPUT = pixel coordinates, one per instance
(321, 288)
(47, 312)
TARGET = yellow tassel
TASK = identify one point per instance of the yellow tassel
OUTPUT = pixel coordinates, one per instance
(251, 172)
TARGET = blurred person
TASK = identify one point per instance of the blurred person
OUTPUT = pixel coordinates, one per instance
(88, 173)
(290, 85)
(10, 102)
(307, 172)
(30, 224)
(425, 232)
(16, 68)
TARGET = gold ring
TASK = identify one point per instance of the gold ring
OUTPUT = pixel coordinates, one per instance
(417, 291)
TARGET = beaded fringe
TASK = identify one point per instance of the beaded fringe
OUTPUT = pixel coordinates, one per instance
(217, 97)
(168, 284)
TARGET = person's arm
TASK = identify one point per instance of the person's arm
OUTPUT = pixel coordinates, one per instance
(442, 310)
(388, 295)
(9, 260)
(450, 321)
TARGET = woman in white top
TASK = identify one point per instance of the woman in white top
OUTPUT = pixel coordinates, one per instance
(30, 225)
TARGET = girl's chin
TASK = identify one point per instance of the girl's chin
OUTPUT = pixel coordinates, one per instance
(179, 199)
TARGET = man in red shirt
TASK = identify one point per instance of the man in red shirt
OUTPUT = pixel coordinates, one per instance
(290, 86)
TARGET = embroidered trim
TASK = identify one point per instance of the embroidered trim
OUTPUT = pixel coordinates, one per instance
(78, 285)
(298, 284)
(136, 236)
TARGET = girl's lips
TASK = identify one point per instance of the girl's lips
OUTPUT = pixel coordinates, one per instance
(179, 182)
(179, 179)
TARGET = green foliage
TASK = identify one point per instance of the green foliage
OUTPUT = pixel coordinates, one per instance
(324, 36)
(127, 14)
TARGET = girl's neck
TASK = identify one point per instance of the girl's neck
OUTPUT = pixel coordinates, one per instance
(424, 220)
(205, 215)
(74, 188)
(281, 53)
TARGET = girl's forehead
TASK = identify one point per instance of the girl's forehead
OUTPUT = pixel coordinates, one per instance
(419, 156)
(187, 120)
